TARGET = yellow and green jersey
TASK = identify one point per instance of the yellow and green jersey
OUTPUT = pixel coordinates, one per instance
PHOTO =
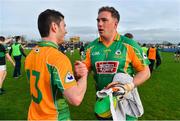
(50, 73)
(122, 55)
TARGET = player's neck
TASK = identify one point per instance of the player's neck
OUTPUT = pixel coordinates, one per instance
(51, 39)
(109, 39)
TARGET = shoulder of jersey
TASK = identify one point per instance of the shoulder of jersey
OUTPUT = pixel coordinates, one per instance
(91, 44)
(130, 42)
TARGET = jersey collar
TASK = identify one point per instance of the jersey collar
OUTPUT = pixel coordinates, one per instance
(116, 38)
(45, 43)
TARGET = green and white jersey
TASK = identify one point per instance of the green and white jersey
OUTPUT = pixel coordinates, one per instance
(123, 55)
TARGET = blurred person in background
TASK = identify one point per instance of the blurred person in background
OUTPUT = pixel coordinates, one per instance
(129, 35)
(3, 55)
(17, 51)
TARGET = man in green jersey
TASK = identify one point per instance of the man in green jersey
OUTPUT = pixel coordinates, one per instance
(17, 51)
(113, 53)
(144, 48)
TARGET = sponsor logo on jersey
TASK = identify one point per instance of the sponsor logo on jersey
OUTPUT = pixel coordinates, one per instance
(106, 67)
(69, 78)
(95, 53)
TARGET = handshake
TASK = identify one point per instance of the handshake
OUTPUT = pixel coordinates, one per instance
(80, 70)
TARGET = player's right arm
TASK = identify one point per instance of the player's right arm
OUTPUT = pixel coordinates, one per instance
(72, 90)
(76, 93)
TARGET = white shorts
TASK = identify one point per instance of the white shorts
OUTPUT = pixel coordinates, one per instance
(2, 67)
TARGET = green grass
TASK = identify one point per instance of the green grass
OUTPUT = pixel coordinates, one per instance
(160, 94)
(14, 104)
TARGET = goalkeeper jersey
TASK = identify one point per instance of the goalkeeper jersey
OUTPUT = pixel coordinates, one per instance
(122, 55)
(50, 73)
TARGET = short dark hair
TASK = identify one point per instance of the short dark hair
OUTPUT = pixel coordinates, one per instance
(129, 35)
(112, 10)
(144, 45)
(2, 38)
(46, 18)
(17, 38)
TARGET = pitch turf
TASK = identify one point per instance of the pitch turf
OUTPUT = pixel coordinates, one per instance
(160, 94)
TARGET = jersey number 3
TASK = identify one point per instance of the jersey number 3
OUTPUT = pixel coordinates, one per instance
(39, 93)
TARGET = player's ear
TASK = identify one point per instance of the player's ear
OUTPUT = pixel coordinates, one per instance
(53, 27)
(116, 23)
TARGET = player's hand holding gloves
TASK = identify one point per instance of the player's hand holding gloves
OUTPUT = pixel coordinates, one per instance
(120, 89)
(122, 84)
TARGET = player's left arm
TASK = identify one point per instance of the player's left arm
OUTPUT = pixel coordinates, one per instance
(141, 76)
(142, 70)
(138, 79)
(140, 63)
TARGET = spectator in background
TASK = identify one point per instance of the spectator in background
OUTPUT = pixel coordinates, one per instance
(71, 45)
(144, 48)
(129, 35)
(62, 48)
(152, 55)
(81, 51)
(3, 55)
(177, 54)
(17, 51)
(158, 57)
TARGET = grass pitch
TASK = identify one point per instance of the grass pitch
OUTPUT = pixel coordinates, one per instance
(160, 94)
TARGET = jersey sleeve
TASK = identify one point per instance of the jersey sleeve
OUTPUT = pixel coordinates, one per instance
(136, 50)
(138, 59)
(61, 72)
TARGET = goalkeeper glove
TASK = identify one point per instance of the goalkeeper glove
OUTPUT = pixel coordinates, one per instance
(119, 89)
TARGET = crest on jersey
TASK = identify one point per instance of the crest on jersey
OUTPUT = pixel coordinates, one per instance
(106, 67)
(144, 56)
(118, 52)
(36, 50)
(69, 78)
